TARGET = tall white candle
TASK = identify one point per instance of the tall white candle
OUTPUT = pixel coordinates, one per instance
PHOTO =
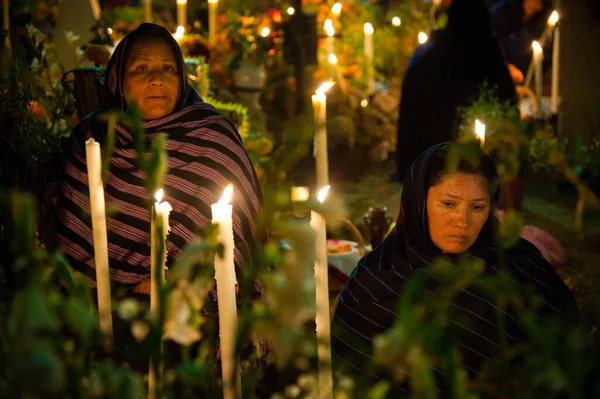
(317, 222)
(319, 102)
(368, 30)
(148, 10)
(225, 276)
(212, 20)
(97, 210)
(555, 61)
(330, 31)
(181, 12)
(159, 228)
(538, 57)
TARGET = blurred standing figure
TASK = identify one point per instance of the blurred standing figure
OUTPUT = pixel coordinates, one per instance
(447, 73)
(515, 27)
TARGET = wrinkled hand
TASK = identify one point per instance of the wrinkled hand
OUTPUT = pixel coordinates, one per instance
(143, 287)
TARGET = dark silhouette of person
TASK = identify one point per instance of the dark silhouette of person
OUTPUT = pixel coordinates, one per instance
(445, 74)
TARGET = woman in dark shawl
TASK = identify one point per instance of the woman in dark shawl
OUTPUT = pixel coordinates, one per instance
(204, 154)
(447, 73)
(445, 215)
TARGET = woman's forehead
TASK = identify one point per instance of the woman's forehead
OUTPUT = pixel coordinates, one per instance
(151, 48)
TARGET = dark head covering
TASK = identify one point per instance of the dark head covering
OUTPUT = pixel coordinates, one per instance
(470, 18)
(369, 302)
(114, 98)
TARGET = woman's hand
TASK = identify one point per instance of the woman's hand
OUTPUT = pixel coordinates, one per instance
(515, 74)
(143, 287)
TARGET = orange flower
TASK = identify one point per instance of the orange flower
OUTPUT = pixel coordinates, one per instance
(37, 110)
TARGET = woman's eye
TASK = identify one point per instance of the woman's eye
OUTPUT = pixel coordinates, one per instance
(169, 68)
(448, 204)
(478, 207)
(142, 68)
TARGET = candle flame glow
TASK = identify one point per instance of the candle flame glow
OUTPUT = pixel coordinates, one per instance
(213, 1)
(364, 102)
(396, 21)
(291, 11)
(330, 30)
(110, 31)
(553, 18)
(332, 59)
(227, 194)
(324, 87)
(265, 32)
(480, 130)
(181, 1)
(423, 37)
(323, 194)
(336, 9)
(369, 29)
(158, 196)
(179, 33)
(300, 194)
(537, 48)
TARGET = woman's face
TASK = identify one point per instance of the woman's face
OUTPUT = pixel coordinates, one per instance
(457, 209)
(151, 79)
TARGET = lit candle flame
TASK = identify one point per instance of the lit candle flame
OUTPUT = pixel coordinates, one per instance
(213, 1)
(332, 59)
(265, 32)
(181, 1)
(423, 37)
(227, 194)
(396, 21)
(110, 31)
(336, 9)
(323, 194)
(324, 87)
(369, 29)
(330, 30)
(553, 18)
(179, 33)
(291, 11)
(480, 130)
(158, 196)
(537, 48)
(364, 102)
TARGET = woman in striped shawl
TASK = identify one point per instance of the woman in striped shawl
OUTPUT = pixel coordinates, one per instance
(204, 154)
(449, 215)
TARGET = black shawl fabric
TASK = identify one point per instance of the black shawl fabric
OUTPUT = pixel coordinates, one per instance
(447, 73)
(204, 154)
(369, 302)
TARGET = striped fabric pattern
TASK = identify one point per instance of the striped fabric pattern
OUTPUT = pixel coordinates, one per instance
(204, 154)
(369, 303)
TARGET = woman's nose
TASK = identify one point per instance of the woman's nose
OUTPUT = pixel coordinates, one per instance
(462, 218)
(156, 79)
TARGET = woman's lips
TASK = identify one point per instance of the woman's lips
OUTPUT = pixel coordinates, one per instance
(458, 237)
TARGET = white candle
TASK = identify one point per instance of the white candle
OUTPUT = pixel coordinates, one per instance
(480, 131)
(159, 228)
(319, 102)
(317, 222)
(555, 60)
(182, 12)
(538, 57)
(148, 10)
(225, 276)
(212, 20)
(368, 30)
(97, 210)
